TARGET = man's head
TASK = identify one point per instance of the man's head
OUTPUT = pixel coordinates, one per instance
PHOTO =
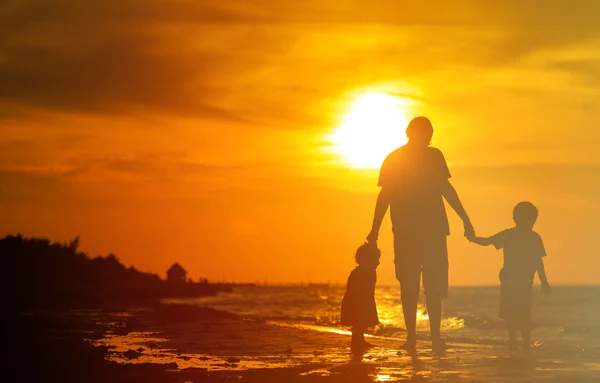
(419, 131)
(525, 214)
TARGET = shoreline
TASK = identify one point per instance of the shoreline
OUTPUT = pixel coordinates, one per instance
(179, 343)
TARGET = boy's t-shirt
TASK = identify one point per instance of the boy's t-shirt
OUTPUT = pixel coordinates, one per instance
(523, 250)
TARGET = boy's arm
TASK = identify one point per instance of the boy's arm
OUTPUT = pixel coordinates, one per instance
(541, 270)
(482, 241)
(497, 240)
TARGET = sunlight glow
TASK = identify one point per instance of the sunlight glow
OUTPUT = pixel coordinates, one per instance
(373, 127)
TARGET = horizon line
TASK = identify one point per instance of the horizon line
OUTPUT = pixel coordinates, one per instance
(290, 284)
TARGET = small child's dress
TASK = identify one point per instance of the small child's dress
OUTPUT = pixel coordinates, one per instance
(523, 250)
(358, 305)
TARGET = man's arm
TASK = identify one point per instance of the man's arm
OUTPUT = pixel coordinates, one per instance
(451, 196)
(383, 201)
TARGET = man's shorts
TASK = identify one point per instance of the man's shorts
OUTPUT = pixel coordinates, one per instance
(419, 254)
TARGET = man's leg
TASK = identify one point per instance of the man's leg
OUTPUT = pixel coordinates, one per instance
(410, 300)
(408, 273)
(435, 281)
(434, 308)
(526, 336)
(512, 335)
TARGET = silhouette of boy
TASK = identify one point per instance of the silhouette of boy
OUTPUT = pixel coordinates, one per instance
(523, 253)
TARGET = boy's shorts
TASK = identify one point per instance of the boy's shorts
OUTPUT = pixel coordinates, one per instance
(422, 255)
(515, 300)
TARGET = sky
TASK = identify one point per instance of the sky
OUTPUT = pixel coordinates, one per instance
(199, 131)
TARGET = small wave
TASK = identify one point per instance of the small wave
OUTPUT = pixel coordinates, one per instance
(581, 330)
(397, 333)
(569, 350)
(388, 331)
(287, 318)
(482, 323)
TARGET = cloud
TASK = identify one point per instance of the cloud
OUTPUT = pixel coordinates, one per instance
(585, 71)
(18, 152)
(190, 58)
(159, 167)
(111, 76)
(115, 56)
(46, 156)
(547, 180)
(31, 189)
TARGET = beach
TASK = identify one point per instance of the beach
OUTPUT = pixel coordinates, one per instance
(251, 351)
(193, 342)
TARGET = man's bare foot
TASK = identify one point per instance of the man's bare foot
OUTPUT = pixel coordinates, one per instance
(367, 345)
(360, 347)
(410, 345)
(357, 357)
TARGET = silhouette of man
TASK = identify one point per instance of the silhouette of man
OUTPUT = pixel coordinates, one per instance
(413, 180)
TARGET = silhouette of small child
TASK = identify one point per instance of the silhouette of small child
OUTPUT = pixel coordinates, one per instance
(358, 305)
(523, 253)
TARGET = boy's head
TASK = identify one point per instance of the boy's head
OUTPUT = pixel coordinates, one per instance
(368, 255)
(525, 214)
(419, 131)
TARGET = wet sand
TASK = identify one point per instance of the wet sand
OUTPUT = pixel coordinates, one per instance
(237, 349)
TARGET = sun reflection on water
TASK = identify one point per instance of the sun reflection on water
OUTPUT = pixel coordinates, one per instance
(422, 315)
(454, 322)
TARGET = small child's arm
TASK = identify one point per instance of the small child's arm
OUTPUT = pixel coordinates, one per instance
(541, 270)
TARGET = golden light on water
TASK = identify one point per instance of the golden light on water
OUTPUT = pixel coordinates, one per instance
(422, 315)
(373, 127)
(337, 331)
(454, 322)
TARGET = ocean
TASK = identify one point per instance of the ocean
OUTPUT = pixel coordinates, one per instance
(566, 323)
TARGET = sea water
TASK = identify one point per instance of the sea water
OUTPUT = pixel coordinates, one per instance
(566, 323)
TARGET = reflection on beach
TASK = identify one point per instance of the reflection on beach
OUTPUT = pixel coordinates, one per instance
(288, 339)
(316, 351)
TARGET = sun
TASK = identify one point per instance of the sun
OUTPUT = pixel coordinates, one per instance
(373, 127)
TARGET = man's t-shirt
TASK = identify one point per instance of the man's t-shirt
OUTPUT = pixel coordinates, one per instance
(522, 251)
(416, 175)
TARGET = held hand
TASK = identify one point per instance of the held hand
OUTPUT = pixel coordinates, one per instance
(372, 237)
(546, 288)
(469, 231)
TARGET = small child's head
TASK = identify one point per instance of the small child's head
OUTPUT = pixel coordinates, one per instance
(525, 214)
(368, 255)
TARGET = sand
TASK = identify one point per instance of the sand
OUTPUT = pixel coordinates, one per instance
(238, 349)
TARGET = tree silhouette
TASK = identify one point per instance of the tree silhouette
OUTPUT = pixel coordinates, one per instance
(45, 274)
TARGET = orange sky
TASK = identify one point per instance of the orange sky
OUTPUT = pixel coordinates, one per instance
(198, 133)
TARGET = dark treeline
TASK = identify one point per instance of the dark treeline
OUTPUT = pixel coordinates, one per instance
(42, 274)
